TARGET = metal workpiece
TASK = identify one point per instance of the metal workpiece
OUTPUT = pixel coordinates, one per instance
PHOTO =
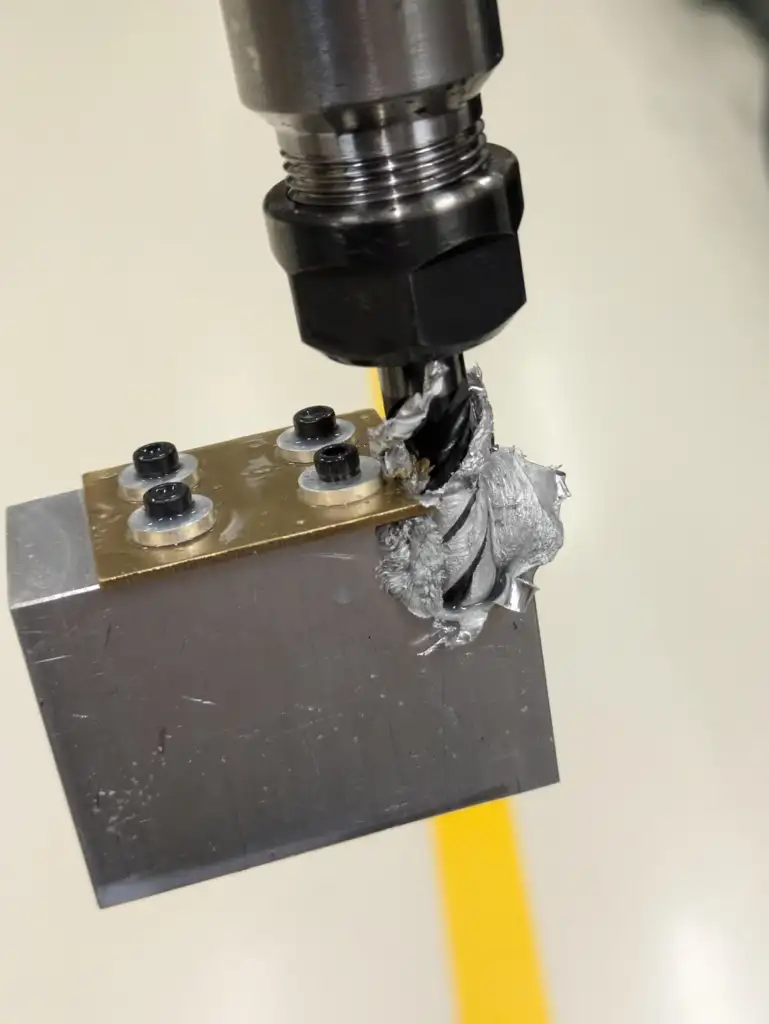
(257, 504)
(251, 708)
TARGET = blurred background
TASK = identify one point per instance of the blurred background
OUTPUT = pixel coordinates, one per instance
(132, 252)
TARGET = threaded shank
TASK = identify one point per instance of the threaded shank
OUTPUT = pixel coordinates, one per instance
(323, 182)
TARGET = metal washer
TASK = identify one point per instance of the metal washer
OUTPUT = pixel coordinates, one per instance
(314, 491)
(295, 449)
(132, 487)
(166, 533)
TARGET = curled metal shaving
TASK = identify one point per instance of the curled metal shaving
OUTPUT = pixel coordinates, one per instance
(387, 442)
(498, 516)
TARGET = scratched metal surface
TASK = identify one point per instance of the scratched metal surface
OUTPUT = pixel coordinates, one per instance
(241, 711)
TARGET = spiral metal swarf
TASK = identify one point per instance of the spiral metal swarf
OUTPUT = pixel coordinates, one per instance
(494, 516)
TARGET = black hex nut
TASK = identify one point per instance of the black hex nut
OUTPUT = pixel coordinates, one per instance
(448, 305)
(155, 460)
(168, 501)
(372, 288)
(337, 463)
(315, 423)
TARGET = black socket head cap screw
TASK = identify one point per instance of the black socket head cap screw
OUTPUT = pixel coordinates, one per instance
(315, 423)
(155, 460)
(337, 463)
(168, 501)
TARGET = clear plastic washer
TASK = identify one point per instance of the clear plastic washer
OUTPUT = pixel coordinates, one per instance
(295, 449)
(166, 533)
(314, 491)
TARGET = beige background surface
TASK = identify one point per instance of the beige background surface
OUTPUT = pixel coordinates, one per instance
(131, 244)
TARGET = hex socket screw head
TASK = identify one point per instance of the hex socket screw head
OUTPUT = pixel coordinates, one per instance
(155, 460)
(168, 501)
(315, 423)
(337, 463)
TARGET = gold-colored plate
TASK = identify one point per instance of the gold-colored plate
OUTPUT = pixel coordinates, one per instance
(255, 492)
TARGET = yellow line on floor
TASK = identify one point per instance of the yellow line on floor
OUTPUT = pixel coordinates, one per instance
(497, 977)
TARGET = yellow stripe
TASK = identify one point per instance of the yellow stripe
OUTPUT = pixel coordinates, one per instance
(497, 977)
(496, 971)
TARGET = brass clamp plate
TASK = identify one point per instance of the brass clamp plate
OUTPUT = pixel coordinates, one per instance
(256, 497)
